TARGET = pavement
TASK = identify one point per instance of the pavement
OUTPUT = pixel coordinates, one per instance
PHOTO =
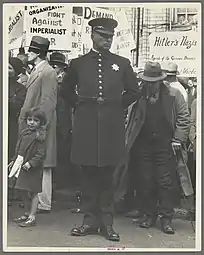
(53, 230)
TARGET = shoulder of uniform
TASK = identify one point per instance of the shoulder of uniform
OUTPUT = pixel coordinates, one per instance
(120, 58)
(77, 60)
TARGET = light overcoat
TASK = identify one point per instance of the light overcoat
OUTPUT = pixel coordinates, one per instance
(42, 93)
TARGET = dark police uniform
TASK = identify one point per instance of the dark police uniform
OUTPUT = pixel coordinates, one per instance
(106, 85)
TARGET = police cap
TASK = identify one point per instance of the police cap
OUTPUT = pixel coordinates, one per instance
(103, 25)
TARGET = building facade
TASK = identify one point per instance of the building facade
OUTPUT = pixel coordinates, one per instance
(144, 21)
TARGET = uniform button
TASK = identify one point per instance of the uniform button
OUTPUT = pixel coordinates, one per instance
(100, 81)
(99, 70)
(99, 59)
(99, 54)
(99, 64)
(100, 93)
(100, 76)
(100, 87)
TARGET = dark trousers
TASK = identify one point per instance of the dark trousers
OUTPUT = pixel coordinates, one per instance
(131, 200)
(98, 195)
(156, 173)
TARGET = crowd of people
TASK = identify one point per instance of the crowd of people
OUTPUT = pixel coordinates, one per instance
(59, 110)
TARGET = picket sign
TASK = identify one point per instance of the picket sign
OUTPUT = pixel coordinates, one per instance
(67, 28)
(181, 48)
(52, 22)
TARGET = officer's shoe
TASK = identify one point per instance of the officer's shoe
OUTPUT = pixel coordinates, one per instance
(110, 234)
(84, 230)
(166, 226)
(147, 221)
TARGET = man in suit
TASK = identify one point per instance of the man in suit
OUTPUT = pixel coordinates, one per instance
(42, 92)
(157, 138)
(106, 85)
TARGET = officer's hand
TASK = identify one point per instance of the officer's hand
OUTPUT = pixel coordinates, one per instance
(26, 166)
(176, 146)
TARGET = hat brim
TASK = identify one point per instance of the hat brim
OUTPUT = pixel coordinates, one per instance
(32, 47)
(172, 73)
(105, 32)
(35, 48)
(147, 78)
(58, 62)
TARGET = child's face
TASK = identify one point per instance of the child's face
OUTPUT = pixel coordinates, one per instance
(33, 122)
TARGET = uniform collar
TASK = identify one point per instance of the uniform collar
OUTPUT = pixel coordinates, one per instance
(95, 54)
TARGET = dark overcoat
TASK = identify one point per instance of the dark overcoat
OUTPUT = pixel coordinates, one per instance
(33, 150)
(42, 93)
(98, 136)
(17, 93)
(177, 115)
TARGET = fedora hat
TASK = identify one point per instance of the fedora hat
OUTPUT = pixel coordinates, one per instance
(57, 58)
(103, 25)
(152, 72)
(170, 68)
(39, 43)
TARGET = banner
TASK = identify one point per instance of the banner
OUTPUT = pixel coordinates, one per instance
(15, 28)
(179, 47)
(67, 28)
(52, 22)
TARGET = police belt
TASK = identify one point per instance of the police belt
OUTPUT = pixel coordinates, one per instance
(99, 100)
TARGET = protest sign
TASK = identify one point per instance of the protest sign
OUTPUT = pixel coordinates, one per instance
(81, 31)
(52, 22)
(123, 41)
(15, 26)
(81, 34)
(179, 47)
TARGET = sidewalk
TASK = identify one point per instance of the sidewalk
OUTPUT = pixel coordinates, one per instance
(66, 198)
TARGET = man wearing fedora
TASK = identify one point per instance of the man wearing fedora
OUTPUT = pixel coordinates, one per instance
(64, 121)
(106, 85)
(157, 130)
(171, 70)
(42, 92)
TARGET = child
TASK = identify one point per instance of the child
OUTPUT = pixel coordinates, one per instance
(28, 163)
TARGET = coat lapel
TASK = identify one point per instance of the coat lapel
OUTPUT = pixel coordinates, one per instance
(35, 74)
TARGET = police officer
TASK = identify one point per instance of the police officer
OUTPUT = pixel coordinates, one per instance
(106, 85)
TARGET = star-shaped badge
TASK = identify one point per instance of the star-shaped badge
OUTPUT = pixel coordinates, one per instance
(115, 67)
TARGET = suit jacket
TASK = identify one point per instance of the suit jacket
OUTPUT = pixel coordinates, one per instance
(42, 93)
(98, 128)
(177, 115)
